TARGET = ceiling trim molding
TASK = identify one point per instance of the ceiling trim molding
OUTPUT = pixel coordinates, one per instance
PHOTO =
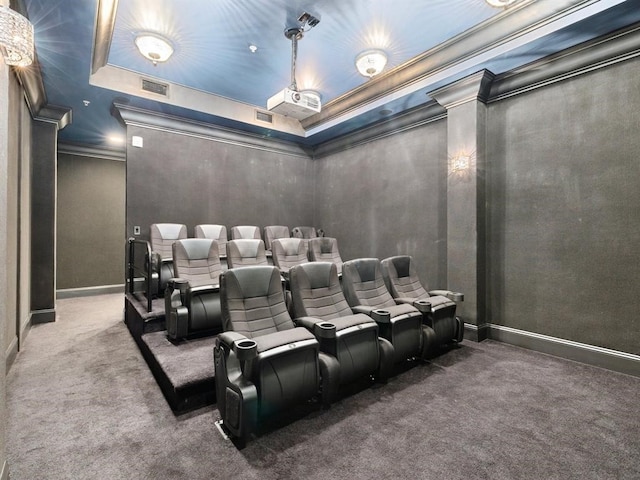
(488, 39)
(60, 116)
(474, 87)
(103, 33)
(408, 120)
(133, 116)
(91, 152)
(602, 52)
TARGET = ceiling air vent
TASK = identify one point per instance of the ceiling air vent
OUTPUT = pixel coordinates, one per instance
(155, 87)
(264, 116)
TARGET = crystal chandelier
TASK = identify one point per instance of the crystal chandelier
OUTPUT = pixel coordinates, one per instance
(16, 38)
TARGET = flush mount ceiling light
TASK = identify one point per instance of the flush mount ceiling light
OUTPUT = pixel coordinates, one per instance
(500, 3)
(371, 62)
(16, 38)
(154, 47)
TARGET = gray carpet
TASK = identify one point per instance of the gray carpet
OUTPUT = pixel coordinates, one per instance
(83, 405)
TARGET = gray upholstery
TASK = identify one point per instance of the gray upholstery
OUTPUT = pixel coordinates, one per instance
(214, 232)
(325, 249)
(263, 363)
(273, 232)
(365, 291)
(245, 231)
(317, 297)
(162, 237)
(246, 252)
(400, 276)
(288, 252)
(192, 298)
(304, 232)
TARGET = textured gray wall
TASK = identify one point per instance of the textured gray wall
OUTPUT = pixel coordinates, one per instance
(187, 179)
(565, 209)
(91, 219)
(388, 197)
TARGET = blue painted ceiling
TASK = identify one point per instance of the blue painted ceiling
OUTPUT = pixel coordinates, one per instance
(212, 38)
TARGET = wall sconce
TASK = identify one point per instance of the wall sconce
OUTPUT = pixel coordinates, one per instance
(461, 165)
(16, 38)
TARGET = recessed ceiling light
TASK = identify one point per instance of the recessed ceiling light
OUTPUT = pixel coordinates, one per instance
(154, 47)
(253, 48)
(371, 62)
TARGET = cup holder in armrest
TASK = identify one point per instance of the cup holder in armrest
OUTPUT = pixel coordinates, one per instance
(245, 349)
(456, 296)
(325, 330)
(423, 305)
(380, 315)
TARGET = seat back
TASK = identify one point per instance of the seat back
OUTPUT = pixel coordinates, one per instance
(316, 291)
(163, 235)
(197, 260)
(401, 278)
(214, 232)
(253, 302)
(288, 252)
(304, 232)
(245, 231)
(363, 284)
(273, 232)
(245, 252)
(325, 249)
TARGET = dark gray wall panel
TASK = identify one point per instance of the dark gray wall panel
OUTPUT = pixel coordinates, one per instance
(91, 221)
(388, 197)
(187, 179)
(565, 209)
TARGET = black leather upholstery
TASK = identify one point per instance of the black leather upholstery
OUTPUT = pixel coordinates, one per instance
(325, 249)
(192, 297)
(263, 362)
(438, 307)
(162, 237)
(319, 305)
(365, 291)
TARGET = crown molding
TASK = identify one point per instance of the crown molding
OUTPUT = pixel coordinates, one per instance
(91, 152)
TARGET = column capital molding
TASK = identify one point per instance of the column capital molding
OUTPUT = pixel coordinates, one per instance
(475, 87)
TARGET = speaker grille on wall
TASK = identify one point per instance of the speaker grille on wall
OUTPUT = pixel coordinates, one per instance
(155, 87)
(264, 116)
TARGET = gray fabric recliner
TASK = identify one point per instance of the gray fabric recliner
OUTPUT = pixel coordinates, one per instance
(288, 252)
(437, 306)
(162, 237)
(401, 324)
(214, 232)
(320, 306)
(305, 232)
(245, 231)
(325, 249)
(192, 297)
(246, 252)
(263, 362)
(273, 232)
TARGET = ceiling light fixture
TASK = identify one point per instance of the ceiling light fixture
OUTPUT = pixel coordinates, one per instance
(154, 47)
(16, 38)
(371, 62)
(500, 3)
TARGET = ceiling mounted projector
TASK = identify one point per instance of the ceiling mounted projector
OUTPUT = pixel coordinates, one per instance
(290, 101)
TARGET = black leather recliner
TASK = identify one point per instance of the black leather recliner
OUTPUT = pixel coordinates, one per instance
(263, 362)
(325, 249)
(162, 237)
(366, 292)
(437, 306)
(320, 306)
(192, 297)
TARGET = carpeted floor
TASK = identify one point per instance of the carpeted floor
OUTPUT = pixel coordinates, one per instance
(83, 405)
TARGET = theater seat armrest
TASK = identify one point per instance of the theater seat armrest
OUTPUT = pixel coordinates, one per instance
(362, 309)
(455, 296)
(228, 338)
(380, 315)
(424, 306)
(204, 289)
(319, 328)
